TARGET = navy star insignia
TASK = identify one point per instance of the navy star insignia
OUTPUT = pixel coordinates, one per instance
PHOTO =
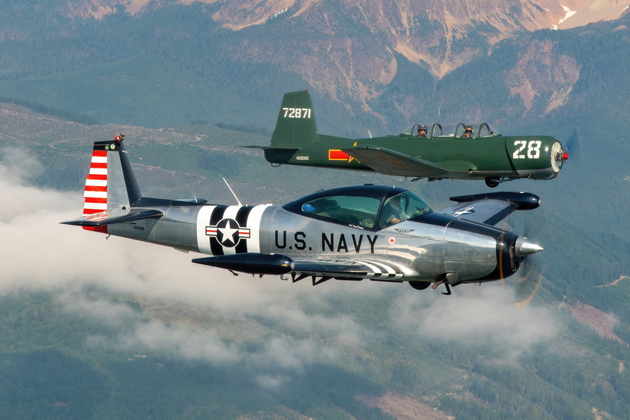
(228, 232)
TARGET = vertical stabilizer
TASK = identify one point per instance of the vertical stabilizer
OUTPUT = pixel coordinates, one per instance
(95, 193)
(296, 123)
(119, 169)
(110, 184)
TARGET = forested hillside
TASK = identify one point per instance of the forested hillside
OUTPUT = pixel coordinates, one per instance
(95, 328)
(140, 322)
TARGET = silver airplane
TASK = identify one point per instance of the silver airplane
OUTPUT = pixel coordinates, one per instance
(361, 232)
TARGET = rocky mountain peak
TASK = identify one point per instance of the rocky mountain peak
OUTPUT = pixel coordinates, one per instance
(444, 34)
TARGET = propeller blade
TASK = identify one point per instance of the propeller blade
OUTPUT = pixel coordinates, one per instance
(534, 289)
(573, 146)
(529, 280)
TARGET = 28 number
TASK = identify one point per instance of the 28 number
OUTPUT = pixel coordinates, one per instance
(533, 149)
(297, 112)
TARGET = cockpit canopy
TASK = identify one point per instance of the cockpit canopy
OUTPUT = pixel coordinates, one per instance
(371, 207)
(451, 130)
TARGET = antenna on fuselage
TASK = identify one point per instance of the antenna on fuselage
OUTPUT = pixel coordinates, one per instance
(232, 191)
(192, 192)
(369, 133)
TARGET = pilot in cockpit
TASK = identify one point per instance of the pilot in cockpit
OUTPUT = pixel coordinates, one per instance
(422, 131)
(468, 131)
(393, 212)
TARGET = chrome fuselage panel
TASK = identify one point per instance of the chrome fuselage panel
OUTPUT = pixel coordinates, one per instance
(427, 246)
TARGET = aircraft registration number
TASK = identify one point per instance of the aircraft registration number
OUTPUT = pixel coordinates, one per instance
(533, 149)
(297, 112)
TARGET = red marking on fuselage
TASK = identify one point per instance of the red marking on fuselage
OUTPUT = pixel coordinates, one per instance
(100, 229)
(336, 154)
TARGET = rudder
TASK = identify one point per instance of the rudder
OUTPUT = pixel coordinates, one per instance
(95, 193)
(296, 123)
(105, 173)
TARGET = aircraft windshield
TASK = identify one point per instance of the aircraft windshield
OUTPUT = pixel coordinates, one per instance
(450, 130)
(367, 206)
(360, 211)
(402, 207)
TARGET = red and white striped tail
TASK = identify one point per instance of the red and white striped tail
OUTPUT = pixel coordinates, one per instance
(96, 184)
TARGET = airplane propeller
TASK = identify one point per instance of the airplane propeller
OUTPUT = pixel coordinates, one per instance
(528, 280)
(573, 146)
(530, 273)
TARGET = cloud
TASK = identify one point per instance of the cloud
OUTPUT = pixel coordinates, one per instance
(17, 165)
(182, 342)
(112, 314)
(271, 381)
(476, 316)
(40, 254)
(18, 198)
(273, 355)
(289, 353)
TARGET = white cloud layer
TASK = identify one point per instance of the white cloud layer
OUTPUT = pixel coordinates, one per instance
(478, 316)
(37, 253)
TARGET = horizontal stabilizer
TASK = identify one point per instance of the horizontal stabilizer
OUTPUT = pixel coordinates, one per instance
(491, 208)
(389, 162)
(105, 218)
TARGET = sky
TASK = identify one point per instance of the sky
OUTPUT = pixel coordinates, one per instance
(302, 324)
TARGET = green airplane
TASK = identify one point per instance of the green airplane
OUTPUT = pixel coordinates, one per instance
(443, 152)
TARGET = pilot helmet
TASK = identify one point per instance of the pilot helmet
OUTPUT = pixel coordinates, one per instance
(422, 127)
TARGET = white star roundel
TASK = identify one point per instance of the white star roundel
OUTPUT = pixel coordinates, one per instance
(228, 232)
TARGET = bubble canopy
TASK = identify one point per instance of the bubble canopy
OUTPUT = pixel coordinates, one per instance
(371, 207)
(451, 130)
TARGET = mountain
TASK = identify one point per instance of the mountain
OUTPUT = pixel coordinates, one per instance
(369, 65)
(97, 328)
(414, 29)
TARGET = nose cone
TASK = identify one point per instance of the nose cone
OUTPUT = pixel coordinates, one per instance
(524, 246)
(558, 156)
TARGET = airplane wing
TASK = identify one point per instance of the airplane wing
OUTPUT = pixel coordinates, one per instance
(389, 162)
(351, 269)
(491, 208)
(105, 218)
(348, 269)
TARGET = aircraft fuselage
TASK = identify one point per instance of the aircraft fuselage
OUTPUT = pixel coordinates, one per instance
(418, 249)
(466, 158)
